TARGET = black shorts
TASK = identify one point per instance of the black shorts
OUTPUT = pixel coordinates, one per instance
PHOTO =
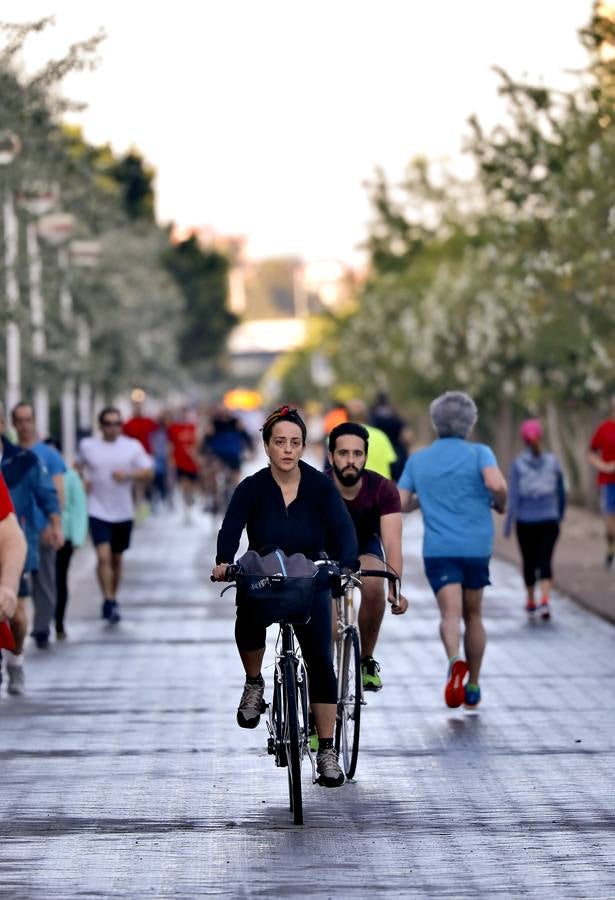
(186, 475)
(117, 534)
(230, 462)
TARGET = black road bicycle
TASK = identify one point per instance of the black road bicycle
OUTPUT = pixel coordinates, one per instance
(288, 722)
(347, 661)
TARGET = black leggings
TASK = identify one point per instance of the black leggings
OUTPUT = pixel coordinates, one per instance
(537, 541)
(63, 557)
(315, 640)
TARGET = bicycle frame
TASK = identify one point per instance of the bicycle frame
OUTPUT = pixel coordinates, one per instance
(345, 615)
(350, 696)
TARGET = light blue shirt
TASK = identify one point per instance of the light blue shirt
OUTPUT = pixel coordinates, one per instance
(456, 505)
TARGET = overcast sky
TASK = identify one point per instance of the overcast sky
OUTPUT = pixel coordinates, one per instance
(264, 117)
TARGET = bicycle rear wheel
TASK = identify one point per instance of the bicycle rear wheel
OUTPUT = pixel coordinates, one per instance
(293, 742)
(348, 721)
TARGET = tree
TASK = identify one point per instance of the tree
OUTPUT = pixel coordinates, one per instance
(135, 178)
(202, 277)
(132, 307)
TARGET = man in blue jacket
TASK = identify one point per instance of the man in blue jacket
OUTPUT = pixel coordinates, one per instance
(44, 594)
(34, 497)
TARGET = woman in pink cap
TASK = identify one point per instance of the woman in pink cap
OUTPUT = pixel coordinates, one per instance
(536, 503)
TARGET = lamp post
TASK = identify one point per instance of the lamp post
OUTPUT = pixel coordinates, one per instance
(84, 254)
(56, 230)
(37, 199)
(10, 147)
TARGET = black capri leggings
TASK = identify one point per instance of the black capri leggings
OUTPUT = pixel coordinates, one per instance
(315, 640)
(537, 541)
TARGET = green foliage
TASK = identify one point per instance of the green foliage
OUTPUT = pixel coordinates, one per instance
(202, 277)
(135, 178)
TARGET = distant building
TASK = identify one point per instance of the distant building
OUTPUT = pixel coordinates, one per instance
(274, 298)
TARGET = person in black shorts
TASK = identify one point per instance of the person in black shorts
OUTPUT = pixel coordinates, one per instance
(110, 466)
(293, 507)
(374, 506)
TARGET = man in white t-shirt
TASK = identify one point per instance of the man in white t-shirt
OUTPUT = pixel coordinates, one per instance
(110, 466)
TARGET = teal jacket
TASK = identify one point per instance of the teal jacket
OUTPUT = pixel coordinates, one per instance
(75, 512)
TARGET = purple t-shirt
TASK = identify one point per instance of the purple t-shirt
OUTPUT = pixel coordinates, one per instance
(378, 497)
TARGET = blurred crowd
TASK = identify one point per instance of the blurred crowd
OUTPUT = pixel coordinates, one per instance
(190, 459)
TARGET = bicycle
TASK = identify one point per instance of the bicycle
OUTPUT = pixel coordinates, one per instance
(287, 723)
(347, 664)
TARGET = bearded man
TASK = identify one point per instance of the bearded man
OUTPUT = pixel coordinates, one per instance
(374, 506)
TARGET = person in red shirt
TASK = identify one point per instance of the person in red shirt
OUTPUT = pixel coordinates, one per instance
(12, 554)
(602, 458)
(184, 442)
(140, 427)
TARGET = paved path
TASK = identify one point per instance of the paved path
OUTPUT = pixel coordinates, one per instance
(126, 776)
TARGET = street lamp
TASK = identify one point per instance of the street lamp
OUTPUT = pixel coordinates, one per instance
(10, 147)
(84, 254)
(55, 230)
(37, 199)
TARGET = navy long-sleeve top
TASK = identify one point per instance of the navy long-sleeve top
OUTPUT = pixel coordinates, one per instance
(316, 521)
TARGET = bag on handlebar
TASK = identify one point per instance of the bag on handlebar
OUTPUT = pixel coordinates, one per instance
(276, 587)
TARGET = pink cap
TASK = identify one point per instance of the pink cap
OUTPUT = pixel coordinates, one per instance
(531, 430)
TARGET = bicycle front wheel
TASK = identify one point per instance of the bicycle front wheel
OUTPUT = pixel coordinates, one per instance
(348, 721)
(292, 740)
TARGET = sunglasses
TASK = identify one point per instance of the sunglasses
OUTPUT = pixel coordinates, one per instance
(115, 422)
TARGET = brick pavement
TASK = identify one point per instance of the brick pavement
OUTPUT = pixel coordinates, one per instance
(124, 774)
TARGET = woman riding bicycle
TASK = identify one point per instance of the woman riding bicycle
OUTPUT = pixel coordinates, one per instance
(294, 507)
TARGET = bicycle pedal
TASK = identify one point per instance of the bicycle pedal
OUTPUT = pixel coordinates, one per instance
(271, 746)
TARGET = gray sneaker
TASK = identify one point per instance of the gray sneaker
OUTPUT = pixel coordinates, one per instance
(329, 770)
(17, 679)
(251, 705)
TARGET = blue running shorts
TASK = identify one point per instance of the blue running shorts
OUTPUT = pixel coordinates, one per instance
(469, 571)
(607, 499)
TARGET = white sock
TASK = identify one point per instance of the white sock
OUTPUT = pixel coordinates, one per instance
(14, 659)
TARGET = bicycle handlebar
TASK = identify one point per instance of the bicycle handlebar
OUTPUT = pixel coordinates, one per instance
(393, 577)
(232, 571)
(382, 573)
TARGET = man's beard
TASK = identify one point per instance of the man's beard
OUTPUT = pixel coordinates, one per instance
(348, 479)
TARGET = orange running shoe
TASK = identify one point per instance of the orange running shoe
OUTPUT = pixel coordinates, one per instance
(454, 693)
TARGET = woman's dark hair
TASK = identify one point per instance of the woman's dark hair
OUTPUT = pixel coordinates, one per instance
(348, 428)
(283, 414)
